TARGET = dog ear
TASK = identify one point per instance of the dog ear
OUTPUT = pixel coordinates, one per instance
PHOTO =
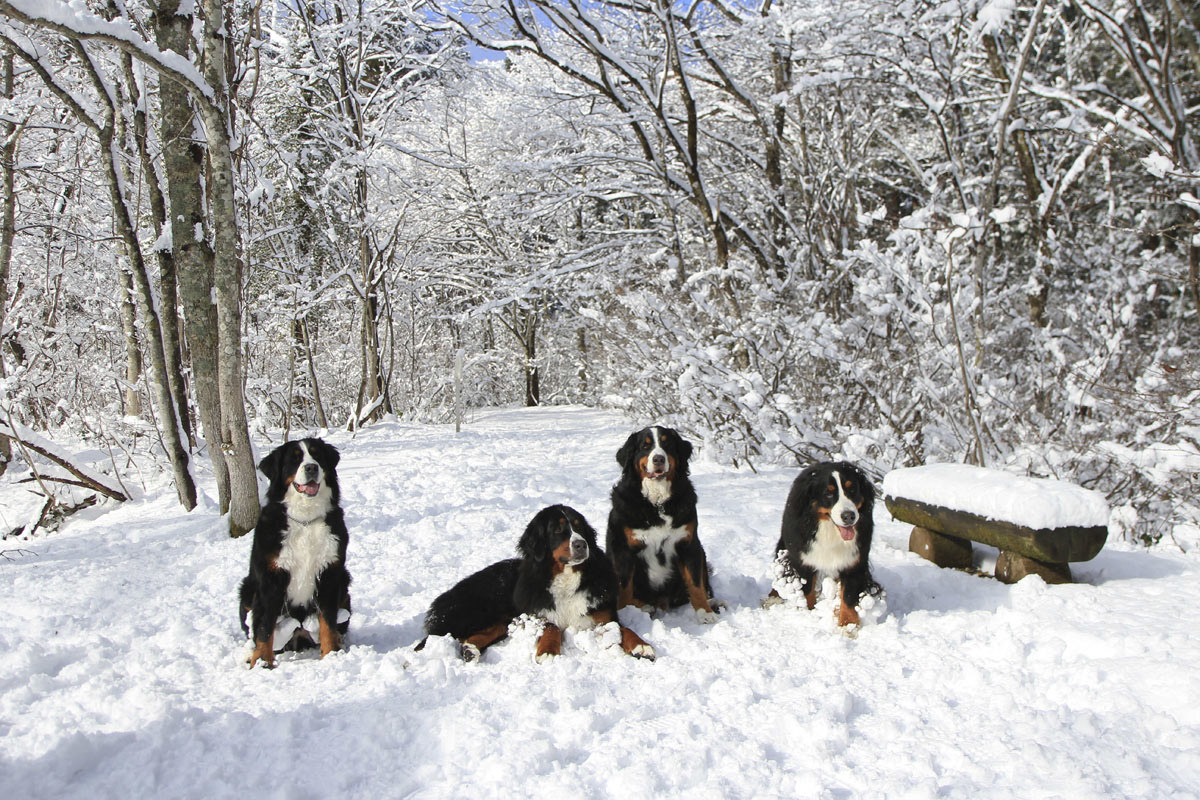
(270, 463)
(533, 541)
(811, 482)
(868, 489)
(625, 454)
(685, 447)
(331, 453)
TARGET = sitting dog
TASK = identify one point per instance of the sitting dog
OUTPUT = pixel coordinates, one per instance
(561, 576)
(651, 536)
(298, 558)
(826, 532)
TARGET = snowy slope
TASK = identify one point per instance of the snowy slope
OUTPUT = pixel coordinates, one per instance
(121, 663)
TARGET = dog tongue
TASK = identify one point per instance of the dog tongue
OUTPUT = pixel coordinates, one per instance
(309, 489)
(847, 533)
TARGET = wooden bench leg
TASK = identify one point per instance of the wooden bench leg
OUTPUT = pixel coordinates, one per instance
(1011, 567)
(943, 550)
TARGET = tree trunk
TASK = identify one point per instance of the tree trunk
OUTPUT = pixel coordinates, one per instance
(167, 281)
(159, 387)
(990, 191)
(8, 224)
(133, 356)
(374, 389)
(304, 341)
(227, 277)
(781, 76)
(533, 383)
(183, 160)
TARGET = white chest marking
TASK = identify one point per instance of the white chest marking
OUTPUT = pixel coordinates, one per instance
(659, 553)
(308, 548)
(570, 604)
(656, 490)
(829, 553)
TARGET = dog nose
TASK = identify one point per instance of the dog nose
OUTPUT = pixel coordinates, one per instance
(659, 461)
(310, 473)
(849, 517)
(579, 547)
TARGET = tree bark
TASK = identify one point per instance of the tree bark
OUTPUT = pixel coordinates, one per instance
(183, 161)
(227, 277)
(8, 223)
(990, 191)
(133, 356)
(375, 385)
(167, 280)
(304, 340)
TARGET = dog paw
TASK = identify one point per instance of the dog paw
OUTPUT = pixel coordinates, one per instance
(262, 652)
(468, 652)
(643, 651)
(706, 617)
(542, 658)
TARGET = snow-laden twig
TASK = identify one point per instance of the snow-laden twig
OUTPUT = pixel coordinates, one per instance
(32, 441)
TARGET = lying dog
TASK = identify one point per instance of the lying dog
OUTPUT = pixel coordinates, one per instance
(562, 577)
(298, 558)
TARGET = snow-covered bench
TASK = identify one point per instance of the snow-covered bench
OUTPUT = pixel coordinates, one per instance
(1038, 525)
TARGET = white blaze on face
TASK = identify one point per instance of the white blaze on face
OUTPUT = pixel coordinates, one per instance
(655, 487)
(579, 549)
(308, 474)
(310, 497)
(657, 452)
(844, 513)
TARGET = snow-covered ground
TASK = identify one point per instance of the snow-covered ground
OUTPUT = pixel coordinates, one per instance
(122, 665)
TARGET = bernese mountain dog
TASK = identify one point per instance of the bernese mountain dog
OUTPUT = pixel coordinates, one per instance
(826, 532)
(651, 536)
(562, 577)
(298, 585)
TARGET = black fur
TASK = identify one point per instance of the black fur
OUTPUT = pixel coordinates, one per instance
(263, 593)
(810, 492)
(477, 602)
(500, 592)
(545, 532)
(632, 510)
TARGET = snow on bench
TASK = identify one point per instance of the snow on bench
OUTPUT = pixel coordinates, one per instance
(1039, 525)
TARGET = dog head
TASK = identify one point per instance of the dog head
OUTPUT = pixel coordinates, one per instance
(656, 457)
(301, 472)
(839, 492)
(560, 537)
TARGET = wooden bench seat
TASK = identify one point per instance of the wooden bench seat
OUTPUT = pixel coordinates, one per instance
(1038, 525)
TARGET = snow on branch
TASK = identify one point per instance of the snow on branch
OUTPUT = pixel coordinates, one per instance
(87, 478)
(74, 22)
